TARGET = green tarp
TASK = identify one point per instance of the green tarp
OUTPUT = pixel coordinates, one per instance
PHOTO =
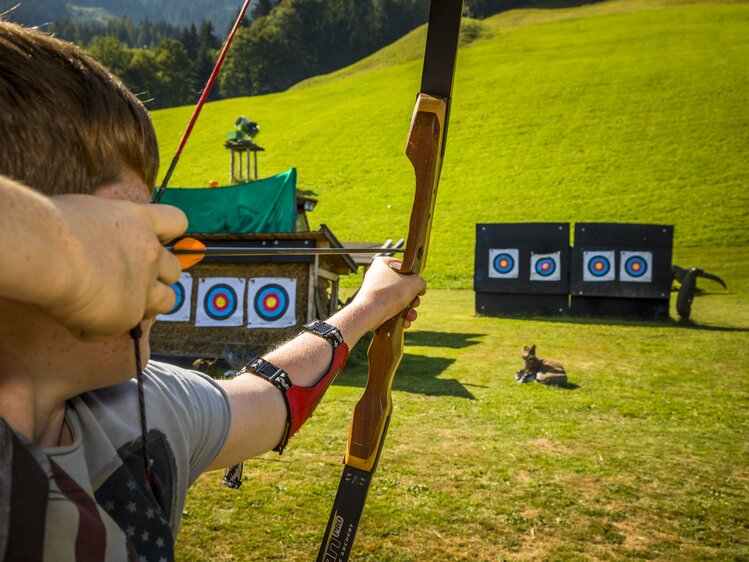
(267, 205)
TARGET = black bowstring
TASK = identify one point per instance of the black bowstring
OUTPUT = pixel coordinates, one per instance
(136, 333)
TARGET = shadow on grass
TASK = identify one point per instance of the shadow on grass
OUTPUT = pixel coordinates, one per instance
(634, 322)
(416, 374)
(450, 340)
(557, 4)
(568, 386)
(710, 328)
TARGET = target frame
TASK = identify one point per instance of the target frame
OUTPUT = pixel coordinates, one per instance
(182, 309)
(598, 265)
(220, 301)
(271, 302)
(636, 267)
(546, 267)
(504, 263)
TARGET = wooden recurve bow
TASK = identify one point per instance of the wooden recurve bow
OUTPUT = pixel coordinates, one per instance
(425, 150)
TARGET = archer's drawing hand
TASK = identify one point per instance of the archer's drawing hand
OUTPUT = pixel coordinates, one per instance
(119, 271)
(385, 292)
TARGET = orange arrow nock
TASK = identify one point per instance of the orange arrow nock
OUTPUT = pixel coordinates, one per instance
(186, 261)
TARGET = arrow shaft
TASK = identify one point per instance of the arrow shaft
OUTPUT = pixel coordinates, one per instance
(240, 251)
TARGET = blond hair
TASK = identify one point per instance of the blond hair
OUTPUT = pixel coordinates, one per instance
(66, 124)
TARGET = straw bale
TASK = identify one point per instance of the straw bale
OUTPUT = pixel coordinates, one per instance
(186, 339)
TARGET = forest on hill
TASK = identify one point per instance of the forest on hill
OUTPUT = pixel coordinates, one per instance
(164, 51)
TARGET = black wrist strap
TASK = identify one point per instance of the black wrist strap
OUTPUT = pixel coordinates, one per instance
(326, 331)
(278, 378)
(275, 375)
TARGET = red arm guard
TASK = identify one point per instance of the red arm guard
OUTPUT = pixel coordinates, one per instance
(300, 401)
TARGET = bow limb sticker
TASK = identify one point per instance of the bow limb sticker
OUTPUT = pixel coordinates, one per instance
(503, 264)
(636, 267)
(271, 302)
(599, 266)
(220, 301)
(545, 267)
(180, 312)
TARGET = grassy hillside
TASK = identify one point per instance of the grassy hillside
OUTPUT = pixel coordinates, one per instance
(644, 457)
(631, 111)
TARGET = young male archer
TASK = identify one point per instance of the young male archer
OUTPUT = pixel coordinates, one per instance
(83, 264)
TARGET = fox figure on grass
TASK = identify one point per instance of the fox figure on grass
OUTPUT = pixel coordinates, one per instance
(545, 371)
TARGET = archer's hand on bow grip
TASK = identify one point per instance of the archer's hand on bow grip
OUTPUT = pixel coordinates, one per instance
(372, 412)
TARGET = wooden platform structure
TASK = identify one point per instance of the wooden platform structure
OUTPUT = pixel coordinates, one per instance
(240, 152)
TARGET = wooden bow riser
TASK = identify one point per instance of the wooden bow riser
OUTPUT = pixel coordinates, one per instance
(424, 150)
(372, 412)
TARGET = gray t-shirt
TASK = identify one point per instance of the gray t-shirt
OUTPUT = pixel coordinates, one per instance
(187, 418)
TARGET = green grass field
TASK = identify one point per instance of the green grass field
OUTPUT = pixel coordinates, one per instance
(627, 111)
(646, 457)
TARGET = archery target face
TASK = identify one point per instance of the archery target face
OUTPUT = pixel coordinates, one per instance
(546, 267)
(599, 266)
(503, 264)
(180, 312)
(220, 301)
(271, 302)
(636, 267)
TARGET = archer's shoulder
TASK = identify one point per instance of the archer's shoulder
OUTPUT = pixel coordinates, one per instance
(174, 381)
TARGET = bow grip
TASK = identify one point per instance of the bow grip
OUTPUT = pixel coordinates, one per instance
(372, 412)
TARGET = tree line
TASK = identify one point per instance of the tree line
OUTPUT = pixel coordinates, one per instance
(143, 33)
(279, 44)
(294, 39)
(180, 13)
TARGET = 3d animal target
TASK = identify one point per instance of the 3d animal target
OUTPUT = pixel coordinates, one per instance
(180, 312)
(220, 301)
(503, 264)
(271, 302)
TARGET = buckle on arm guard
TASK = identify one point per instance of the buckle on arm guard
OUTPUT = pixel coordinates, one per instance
(326, 331)
(300, 401)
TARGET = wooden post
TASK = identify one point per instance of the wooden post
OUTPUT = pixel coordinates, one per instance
(311, 288)
(333, 278)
